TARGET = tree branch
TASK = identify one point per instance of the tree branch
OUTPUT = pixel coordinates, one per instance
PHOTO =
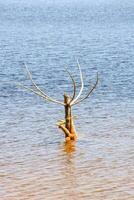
(29, 89)
(74, 85)
(89, 93)
(48, 98)
(82, 85)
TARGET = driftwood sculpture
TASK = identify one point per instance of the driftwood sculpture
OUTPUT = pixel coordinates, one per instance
(67, 125)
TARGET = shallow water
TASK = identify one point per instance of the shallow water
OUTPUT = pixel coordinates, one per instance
(35, 164)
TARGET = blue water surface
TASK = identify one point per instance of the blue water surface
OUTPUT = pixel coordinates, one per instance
(49, 35)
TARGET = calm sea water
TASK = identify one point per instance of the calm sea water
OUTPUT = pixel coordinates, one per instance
(35, 163)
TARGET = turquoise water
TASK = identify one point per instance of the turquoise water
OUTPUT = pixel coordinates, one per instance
(48, 35)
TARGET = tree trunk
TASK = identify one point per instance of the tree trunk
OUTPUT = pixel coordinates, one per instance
(68, 115)
(69, 125)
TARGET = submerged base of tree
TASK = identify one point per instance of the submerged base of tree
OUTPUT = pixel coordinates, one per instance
(67, 125)
(69, 136)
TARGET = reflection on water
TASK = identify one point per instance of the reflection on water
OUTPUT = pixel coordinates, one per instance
(96, 170)
(69, 147)
(35, 163)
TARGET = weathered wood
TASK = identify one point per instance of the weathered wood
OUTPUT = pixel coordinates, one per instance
(67, 112)
(68, 128)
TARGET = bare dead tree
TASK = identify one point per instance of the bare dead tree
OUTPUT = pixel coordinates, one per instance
(67, 125)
